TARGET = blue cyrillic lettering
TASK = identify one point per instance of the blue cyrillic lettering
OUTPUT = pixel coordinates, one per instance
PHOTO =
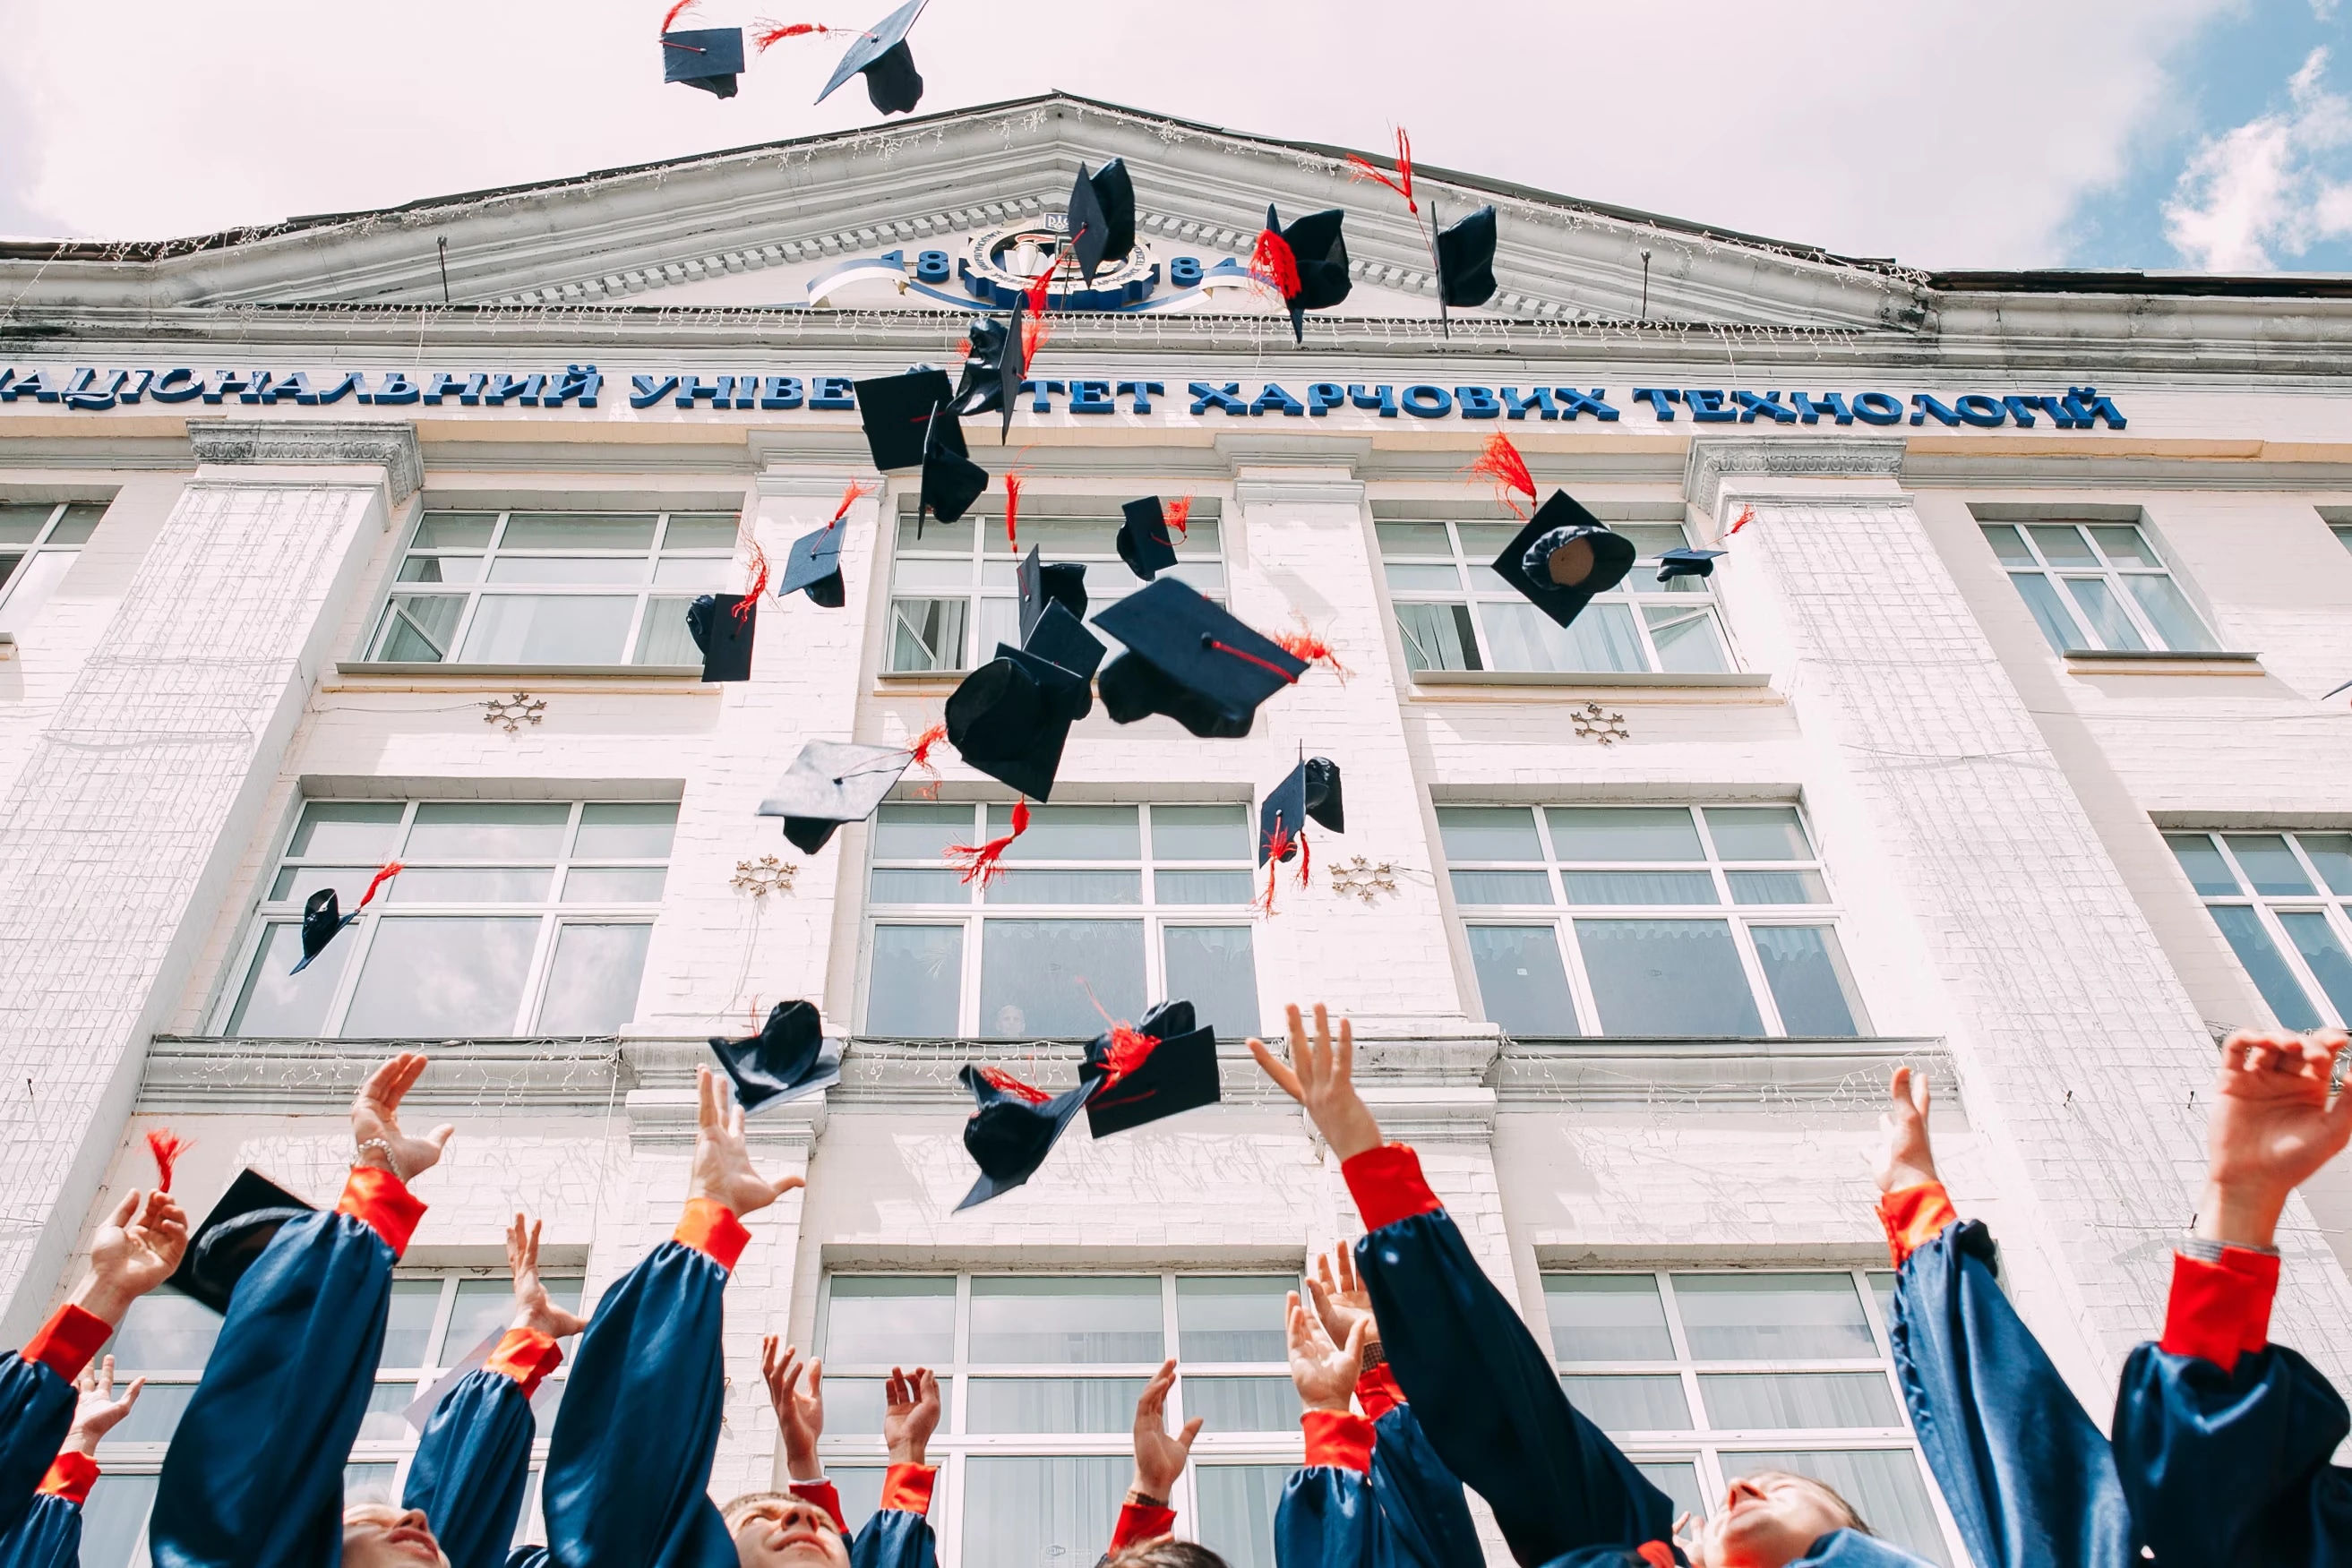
(1979, 409)
(1322, 397)
(1273, 397)
(396, 389)
(1477, 403)
(1091, 397)
(832, 392)
(1382, 398)
(1142, 392)
(1229, 400)
(524, 390)
(1573, 402)
(648, 390)
(780, 392)
(1811, 409)
(1766, 403)
(228, 381)
(467, 385)
(352, 384)
(1041, 402)
(1658, 398)
(1705, 406)
(2088, 407)
(1516, 407)
(577, 380)
(1425, 402)
(1877, 408)
(1921, 405)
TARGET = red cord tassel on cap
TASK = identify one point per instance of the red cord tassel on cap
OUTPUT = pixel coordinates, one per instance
(776, 33)
(1128, 1051)
(388, 870)
(758, 566)
(1006, 1084)
(167, 1147)
(1273, 264)
(1012, 511)
(922, 750)
(1747, 516)
(1501, 463)
(1363, 169)
(1278, 846)
(675, 11)
(1304, 645)
(1178, 514)
(980, 860)
(858, 490)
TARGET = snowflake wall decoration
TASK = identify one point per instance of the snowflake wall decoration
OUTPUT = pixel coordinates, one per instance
(1362, 879)
(765, 876)
(514, 711)
(1593, 724)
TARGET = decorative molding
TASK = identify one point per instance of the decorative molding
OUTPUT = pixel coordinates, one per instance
(278, 1077)
(1716, 458)
(1303, 491)
(1848, 1074)
(388, 443)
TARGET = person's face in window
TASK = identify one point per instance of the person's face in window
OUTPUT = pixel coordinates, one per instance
(1011, 1020)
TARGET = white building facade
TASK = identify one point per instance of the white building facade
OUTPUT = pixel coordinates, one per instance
(1996, 745)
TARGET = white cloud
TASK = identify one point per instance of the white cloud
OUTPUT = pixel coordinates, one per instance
(2323, 10)
(1927, 133)
(2269, 187)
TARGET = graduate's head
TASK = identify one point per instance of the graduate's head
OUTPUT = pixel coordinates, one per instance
(1770, 1518)
(778, 1529)
(378, 1535)
(1165, 1551)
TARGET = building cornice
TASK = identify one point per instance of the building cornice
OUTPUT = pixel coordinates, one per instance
(349, 443)
(1714, 459)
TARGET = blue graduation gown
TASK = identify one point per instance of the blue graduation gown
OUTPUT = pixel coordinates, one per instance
(48, 1536)
(1406, 1510)
(36, 1408)
(472, 1469)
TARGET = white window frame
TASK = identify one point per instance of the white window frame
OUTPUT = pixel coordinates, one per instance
(20, 602)
(2108, 569)
(952, 1445)
(2343, 532)
(1742, 918)
(552, 912)
(705, 570)
(2334, 907)
(973, 910)
(1479, 585)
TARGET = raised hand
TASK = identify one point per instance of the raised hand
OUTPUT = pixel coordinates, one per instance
(533, 1309)
(1342, 1302)
(1905, 1158)
(98, 1411)
(1324, 1373)
(1160, 1459)
(134, 1250)
(1322, 1079)
(2273, 1128)
(722, 1164)
(911, 1414)
(375, 1120)
(799, 1408)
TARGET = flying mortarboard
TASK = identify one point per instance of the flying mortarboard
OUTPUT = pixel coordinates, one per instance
(1678, 563)
(707, 58)
(892, 82)
(831, 782)
(951, 481)
(1102, 217)
(1189, 659)
(1040, 583)
(1014, 1128)
(897, 411)
(1146, 1083)
(1310, 792)
(1063, 638)
(723, 635)
(814, 565)
(233, 1237)
(788, 1057)
(323, 917)
(1317, 255)
(980, 384)
(1010, 717)
(1563, 557)
(1143, 541)
(1466, 259)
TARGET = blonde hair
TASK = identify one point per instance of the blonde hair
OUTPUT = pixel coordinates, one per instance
(1851, 1518)
(1164, 1551)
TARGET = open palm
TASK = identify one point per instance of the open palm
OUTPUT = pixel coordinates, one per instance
(375, 1119)
(2273, 1125)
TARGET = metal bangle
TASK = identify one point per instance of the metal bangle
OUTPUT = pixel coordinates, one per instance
(391, 1164)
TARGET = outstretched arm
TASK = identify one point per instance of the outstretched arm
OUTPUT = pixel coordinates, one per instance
(900, 1533)
(1159, 1460)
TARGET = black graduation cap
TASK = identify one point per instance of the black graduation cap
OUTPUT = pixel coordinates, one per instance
(1010, 717)
(1310, 792)
(816, 565)
(1564, 535)
(233, 1236)
(1320, 253)
(897, 411)
(831, 782)
(951, 481)
(1678, 563)
(321, 918)
(1178, 1074)
(1014, 1128)
(1188, 659)
(724, 637)
(707, 58)
(787, 1059)
(1063, 638)
(1102, 216)
(1061, 582)
(1143, 541)
(981, 385)
(1466, 259)
(881, 53)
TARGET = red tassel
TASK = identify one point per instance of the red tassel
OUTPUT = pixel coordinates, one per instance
(1273, 264)
(775, 34)
(758, 567)
(1040, 286)
(1179, 515)
(389, 868)
(922, 750)
(676, 11)
(1304, 645)
(980, 860)
(858, 489)
(1306, 862)
(1006, 1084)
(1501, 463)
(1363, 169)
(1035, 333)
(1128, 1051)
(1012, 511)
(167, 1148)
(1253, 658)
(1747, 516)
(1265, 901)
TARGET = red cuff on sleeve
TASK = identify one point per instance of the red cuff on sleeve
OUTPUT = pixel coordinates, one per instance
(1340, 1438)
(1378, 1393)
(1657, 1554)
(826, 1496)
(71, 1475)
(1914, 1215)
(381, 1201)
(2220, 1311)
(526, 1355)
(710, 1228)
(67, 1341)
(1387, 1184)
(1138, 1523)
(908, 1488)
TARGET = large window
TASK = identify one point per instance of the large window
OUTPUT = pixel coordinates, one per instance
(2284, 902)
(1705, 1377)
(553, 588)
(2098, 586)
(1102, 910)
(511, 917)
(437, 1317)
(37, 543)
(1649, 920)
(1039, 1375)
(1454, 613)
(952, 594)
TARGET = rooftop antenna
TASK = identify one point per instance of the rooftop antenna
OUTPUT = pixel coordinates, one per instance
(445, 270)
(1645, 283)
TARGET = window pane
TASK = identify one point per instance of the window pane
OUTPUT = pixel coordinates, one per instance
(1811, 984)
(1884, 1485)
(1072, 834)
(1772, 1317)
(33, 585)
(1759, 833)
(1024, 1511)
(1077, 1319)
(470, 884)
(1044, 978)
(1640, 887)
(1437, 637)
(917, 981)
(278, 1002)
(701, 530)
(2268, 863)
(592, 986)
(113, 1517)
(1678, 1479)
(1667, 977)
(934, 536)
(2322, 954)
(706, 573)
(441, 569)
(613, 885)
(1524, 638)
(1202, 886)
(577, 530)
(1501, 887)
(408, 1326)
(296, 882)
(1687, 641)
(489, 829)
(1424, 579)
(568, 569)
(1752, 1401)
(382, 1421)
(81, 520)
(1623, 834)
(1199, 834)
(21, 522)
(1053, 1403)
(920, 887)
(1237, 1504)
(2103, 614)
(890, 1321)
(2208, 871)
(2125, 545)
(2050, 611)
(1779, 887)
(1237, 1318)
(1407, 539)
(927, 634)
(921, 833)
(853, 1406)
(340, 830)
(2062, 545)
(483, 1307)
(2168, 609)
(1242, 1404)
(663, 639)
(1066, 887)
(455, 530)
(165, 1330)
(156, 1416)
(1521, 981)
(1489, 833)
(2332, 854)
(2006, 545)
(418, 627)
(1215, 968)
(2243, 928)
(624, 831)
(548, 629)
(442, 978)
(1630, 1404)
(1606, 1317)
